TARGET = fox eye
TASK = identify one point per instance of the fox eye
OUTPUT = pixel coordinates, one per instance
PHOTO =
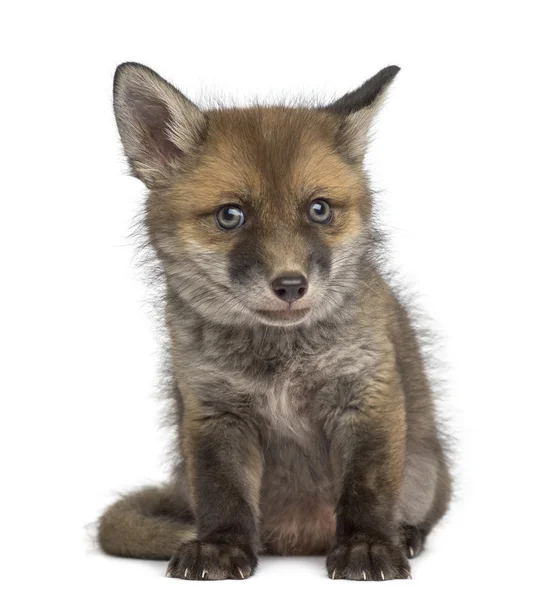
(320, 211)
(230, 217)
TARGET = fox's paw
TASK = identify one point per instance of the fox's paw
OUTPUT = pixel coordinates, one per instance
(204, 560)
(414, 540)
(367, 560)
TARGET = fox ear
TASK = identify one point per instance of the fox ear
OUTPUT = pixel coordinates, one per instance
(159, 127)
(358, 110)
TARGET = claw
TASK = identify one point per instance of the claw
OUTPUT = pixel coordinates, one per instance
(409, 575)
(382, 576)
(241, 574)
(204, 573)
(364, 575)
(334, 573)
(411, 551)
(186, 574)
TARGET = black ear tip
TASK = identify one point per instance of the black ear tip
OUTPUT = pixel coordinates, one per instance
(389, 72)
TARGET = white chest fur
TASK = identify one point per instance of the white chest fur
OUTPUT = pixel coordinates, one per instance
(284, 410)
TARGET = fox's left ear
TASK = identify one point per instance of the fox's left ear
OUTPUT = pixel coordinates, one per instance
(358, 109)
(160, 128)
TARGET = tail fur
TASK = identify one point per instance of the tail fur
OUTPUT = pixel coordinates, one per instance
(148, 523)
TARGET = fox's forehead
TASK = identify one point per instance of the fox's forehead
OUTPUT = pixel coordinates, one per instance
(272, 141)
(285, 125)
(266, 153)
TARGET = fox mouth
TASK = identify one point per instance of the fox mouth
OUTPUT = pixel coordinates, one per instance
(284, 316)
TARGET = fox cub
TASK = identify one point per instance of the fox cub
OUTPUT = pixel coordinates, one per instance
(304, 414)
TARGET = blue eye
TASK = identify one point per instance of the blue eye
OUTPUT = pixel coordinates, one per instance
(230, 217)
(320, 211)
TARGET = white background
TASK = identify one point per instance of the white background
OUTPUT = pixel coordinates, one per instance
(465, 153)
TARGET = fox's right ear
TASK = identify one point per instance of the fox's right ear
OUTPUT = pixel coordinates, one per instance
(358, 110)
(158, 125)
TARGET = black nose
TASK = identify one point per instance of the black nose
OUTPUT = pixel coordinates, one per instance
(290, 286)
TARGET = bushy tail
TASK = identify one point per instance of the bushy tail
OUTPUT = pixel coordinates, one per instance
(148, 523)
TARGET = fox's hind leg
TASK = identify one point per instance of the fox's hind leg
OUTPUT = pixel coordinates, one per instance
(414, 539)
(425, 496)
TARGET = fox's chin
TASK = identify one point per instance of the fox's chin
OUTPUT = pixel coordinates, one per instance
(283, 318)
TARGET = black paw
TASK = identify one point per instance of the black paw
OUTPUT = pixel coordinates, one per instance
(367, 560)
(414, 540)
(203, 560)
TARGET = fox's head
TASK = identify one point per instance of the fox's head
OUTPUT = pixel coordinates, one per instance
(259, 215)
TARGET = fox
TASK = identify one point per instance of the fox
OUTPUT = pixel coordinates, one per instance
(303, 404)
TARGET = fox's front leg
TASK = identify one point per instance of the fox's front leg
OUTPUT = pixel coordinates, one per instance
(367, 438)
(225, 467)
